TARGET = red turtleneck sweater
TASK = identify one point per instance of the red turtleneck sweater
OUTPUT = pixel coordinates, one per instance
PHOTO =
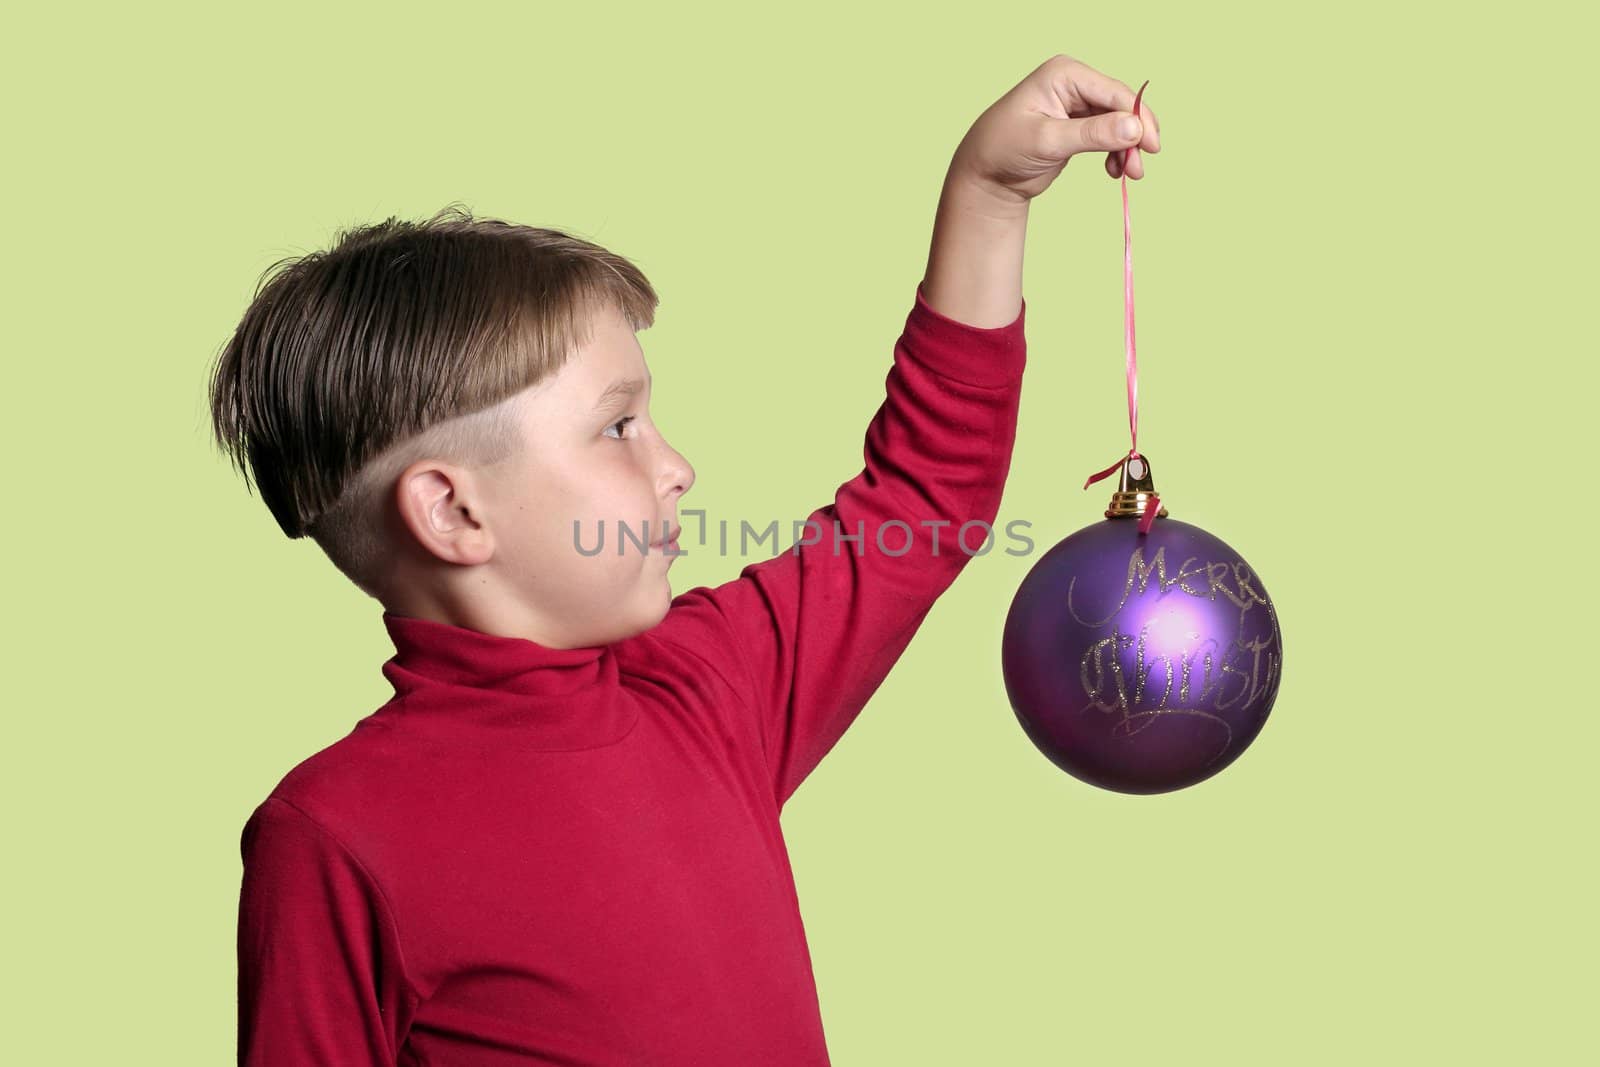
(573, 856)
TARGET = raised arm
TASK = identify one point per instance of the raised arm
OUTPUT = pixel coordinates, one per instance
(805, 638)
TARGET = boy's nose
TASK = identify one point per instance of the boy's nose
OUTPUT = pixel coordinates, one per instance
(676, 474)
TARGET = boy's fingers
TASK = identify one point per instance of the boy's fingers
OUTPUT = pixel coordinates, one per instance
(1100, 90)
(1104, 91)
(1114, 165)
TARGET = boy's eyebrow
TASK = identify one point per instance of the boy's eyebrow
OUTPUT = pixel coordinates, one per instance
(618, 392)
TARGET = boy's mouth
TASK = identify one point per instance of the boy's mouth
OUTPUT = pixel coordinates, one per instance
(670, 539)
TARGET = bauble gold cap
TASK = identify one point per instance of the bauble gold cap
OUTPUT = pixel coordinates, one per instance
(1135, 488)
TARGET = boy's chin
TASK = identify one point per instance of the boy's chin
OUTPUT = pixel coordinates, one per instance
(663, 603)
(647, 612)
(658, 608)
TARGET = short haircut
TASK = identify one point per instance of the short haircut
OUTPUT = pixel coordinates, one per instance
(403, 341)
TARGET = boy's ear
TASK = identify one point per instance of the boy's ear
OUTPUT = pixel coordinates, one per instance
(440, 505)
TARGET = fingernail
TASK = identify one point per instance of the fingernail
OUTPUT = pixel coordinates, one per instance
(1128, 127)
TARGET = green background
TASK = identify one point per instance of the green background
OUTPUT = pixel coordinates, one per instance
(1361, 259)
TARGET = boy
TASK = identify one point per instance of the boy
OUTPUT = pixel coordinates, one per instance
(559, 841)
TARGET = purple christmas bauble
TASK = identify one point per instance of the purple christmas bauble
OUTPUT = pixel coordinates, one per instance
(1141, 663)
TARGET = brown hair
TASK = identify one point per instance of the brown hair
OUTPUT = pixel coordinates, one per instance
(401, 342)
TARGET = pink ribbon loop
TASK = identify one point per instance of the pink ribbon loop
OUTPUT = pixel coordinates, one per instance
(1153, 505)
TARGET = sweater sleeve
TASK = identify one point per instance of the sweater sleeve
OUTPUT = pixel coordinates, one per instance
(320, 975)
(809, 635)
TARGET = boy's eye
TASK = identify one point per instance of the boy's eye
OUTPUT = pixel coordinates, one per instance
(620, 422)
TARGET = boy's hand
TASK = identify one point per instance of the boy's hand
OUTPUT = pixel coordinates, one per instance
(1009, 156)
(1017, 147)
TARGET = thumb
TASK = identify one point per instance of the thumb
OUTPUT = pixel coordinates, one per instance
(1100, 133)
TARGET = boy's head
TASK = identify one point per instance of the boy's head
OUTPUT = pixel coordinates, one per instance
(451, 409)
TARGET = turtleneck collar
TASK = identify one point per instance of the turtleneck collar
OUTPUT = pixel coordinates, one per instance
(449, 678)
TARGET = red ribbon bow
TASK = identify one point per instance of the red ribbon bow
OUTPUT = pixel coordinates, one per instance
(1152, 505)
